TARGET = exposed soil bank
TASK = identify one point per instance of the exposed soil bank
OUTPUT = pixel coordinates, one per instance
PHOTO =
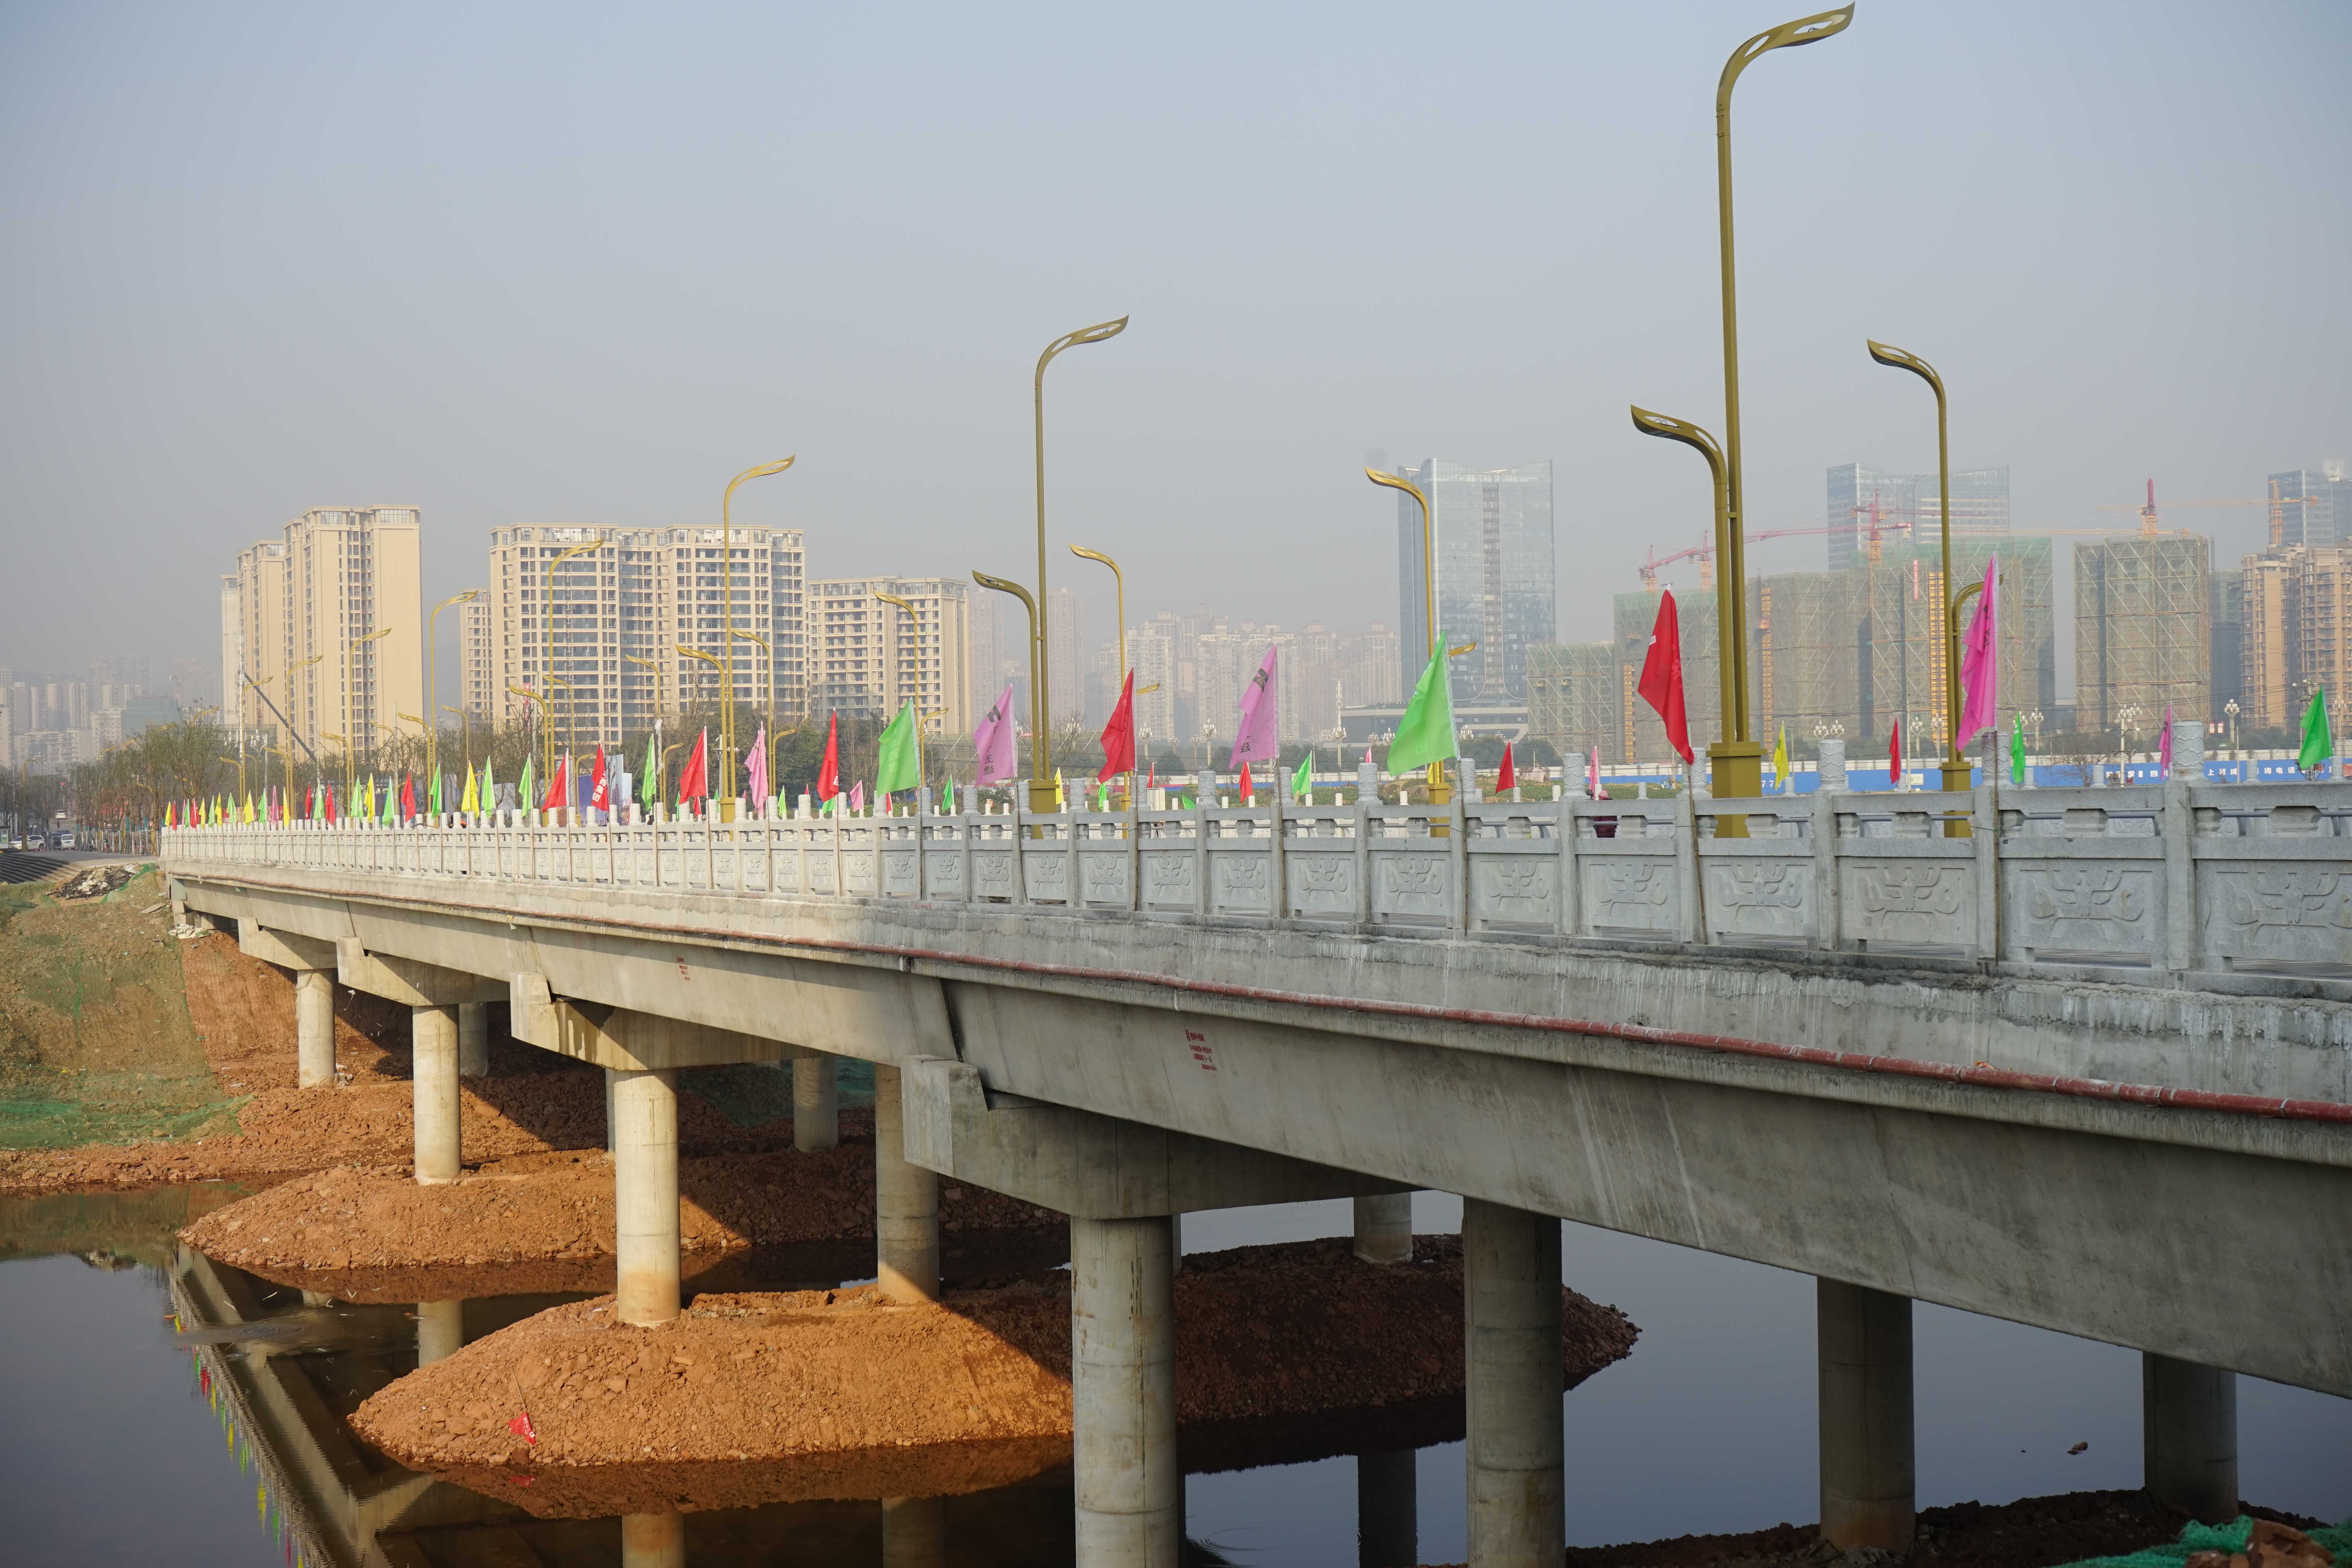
(393, 1237)
(832, 1393)
(233, 1032)
(2032, 1532)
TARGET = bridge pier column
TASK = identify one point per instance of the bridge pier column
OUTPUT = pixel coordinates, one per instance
(314, 1028)
(1868, 1478)
(432, 1074)
(644, 1182)
(1516, 1454)
(440, 1331)
(914, 1532)
(905, 1201)
(653, 1540)
(1388, 1510)
(473, 1039)
(1123, 1393)
(817, 1103)
(2188, 1436)
(1384, 1227)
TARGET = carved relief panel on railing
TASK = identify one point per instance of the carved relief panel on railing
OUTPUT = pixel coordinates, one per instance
(1630, 895)
(1756, 896)
(1908, 902)
(1167, 875)
(1515, 892)
(1322, 881)
(1412, 885)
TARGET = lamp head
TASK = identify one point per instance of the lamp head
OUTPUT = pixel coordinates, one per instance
(1007, 585)
(1787, 36)
(1396, 482)
(1093, 334)
(1667, 427)
(1903, 359)
(762, 471)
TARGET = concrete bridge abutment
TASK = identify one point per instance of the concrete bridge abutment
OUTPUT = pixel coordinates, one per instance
(440, 1331)
(1869, 1474)
(1516, 1453)
(2188, 1436)
(1129, 1483)
(473, 1039)
(1383, 1231)
(314, 963)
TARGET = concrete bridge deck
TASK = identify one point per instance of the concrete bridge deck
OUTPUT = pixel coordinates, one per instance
(2090, 1069)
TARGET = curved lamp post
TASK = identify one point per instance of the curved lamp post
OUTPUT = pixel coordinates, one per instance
(727, 580)
(1040, 787)
(1118, 584)
(892, 650)
(1739, 761)
(433, 672)
(1956, 767)
(1440, 790)
(1040, 754)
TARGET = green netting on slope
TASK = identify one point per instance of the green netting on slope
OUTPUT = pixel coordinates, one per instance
(2229, 1537)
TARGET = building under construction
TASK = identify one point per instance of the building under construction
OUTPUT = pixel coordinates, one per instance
(1574, 700)
(2143, 629)
(2296, 636)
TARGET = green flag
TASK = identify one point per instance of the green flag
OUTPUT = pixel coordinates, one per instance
(649, 778)
(487, 798)
(433, 803)
(894, 755)
(1302, 783)
(523, 796)
(2017, 747)
(2318, 742)
(1426, 733)
(947, 797)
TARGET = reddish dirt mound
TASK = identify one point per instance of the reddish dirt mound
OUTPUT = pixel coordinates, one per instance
(560, 1208)
(835, 1388)
(243, 1010)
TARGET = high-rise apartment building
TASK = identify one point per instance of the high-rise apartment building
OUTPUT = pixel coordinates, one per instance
(1908, 508)
(1491, 537)
(871, 656)
(2296, 634)
(2143, 629)
(477, 670)
(595, 617)
(328, 623)
(2227, 623)
(1151, 654)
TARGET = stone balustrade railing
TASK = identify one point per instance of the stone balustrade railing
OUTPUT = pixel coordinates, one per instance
(2173, 878)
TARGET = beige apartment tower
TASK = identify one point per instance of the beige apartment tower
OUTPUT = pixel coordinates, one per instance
(595, 618)
(329, 628)
(475, 672)
(872, 658)
(2296, 631)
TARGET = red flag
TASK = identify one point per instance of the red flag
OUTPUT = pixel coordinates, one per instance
(600, 790)
(1151, 780)
(1246, 788)
(407, 798)
(306, 801)
(828, 774)
(1894, 756)
(1118, 735)
(558, 790)
(1661, 675)
(330, 803)
(522, 1427)
(694, 783)
(1508, 778)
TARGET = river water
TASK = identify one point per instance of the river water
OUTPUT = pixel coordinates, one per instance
(113, 1451)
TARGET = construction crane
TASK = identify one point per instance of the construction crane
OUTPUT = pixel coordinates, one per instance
(2276, 502)
(1704, 551)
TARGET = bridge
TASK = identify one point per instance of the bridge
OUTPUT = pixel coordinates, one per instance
(2087, 1066)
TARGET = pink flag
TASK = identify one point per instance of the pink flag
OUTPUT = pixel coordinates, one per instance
(758, 768)
(2164, 747)
(1980, 665)
(857, 797)
(1592, 775)
(994, 742)
(1259, 738)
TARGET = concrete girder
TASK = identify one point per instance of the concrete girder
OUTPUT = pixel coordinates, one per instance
(287, 950)
(408, 981)
(1089, 1167)
(628, 1041)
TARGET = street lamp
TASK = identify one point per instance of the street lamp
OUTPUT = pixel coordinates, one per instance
(1118, 584)
(547, 638)
(727, 586)
(1742, 769)
(1440, 790)
(1040, 752)
(1955, 768)
(1040, 787)
(890, 646)
(2231, 710)
(2127, 720)
(756, 638)
(432, 673)
(1738, 762)
(548, 747)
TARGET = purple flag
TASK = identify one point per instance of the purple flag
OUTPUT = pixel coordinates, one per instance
(1980, 665)
(2164, 747)
(994, 742)
(1259, 740)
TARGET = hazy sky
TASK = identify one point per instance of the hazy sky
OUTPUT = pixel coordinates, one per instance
(581, 263)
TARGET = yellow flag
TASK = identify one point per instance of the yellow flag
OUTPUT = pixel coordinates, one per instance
(473, 800)
(1780, 762)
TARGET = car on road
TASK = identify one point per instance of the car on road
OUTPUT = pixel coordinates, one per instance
(64, 841)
